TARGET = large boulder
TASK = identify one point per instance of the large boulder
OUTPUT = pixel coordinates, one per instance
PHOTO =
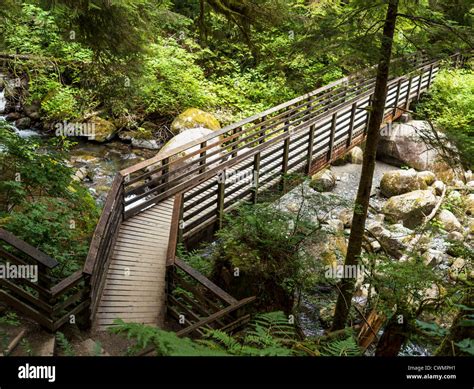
(324, 181)
(397, 182)
(102, 129)
(410, 208)
(448, 221)
(194, 118)
(401, 144)
(356, 155)
(331, 249)
(183, 138)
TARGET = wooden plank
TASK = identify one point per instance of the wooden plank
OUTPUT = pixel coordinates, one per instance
(205, 281)
(216, 316)
(174, 229)
(29, 250)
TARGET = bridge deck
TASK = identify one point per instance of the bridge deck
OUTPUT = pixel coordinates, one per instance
(135, 286)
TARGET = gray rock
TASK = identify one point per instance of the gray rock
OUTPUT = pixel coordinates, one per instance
(146, 144)
(438, 186)
(427, 176)
(449, 221)
(356, 155)
(23, 123)
(410, 208)
(324, 181)
(397, 182)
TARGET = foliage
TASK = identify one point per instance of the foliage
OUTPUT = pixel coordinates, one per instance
(265, 245)
(9, 319)
(450, 104)
(41, 204)
(64, 344)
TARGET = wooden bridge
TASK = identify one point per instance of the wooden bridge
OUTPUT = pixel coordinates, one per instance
(131, 271)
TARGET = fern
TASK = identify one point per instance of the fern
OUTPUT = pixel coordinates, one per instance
(347, 347)
(67, 348)
(165, 343)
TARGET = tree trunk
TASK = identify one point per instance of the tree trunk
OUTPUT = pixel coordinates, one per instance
(346, 286)
(392, 339)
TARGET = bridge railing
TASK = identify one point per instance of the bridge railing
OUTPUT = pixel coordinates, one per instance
(300, 135)
(33, 290)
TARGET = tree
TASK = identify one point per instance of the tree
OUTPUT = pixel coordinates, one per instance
(377, 108)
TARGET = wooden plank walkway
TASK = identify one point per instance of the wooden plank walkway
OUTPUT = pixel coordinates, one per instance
(135, 285)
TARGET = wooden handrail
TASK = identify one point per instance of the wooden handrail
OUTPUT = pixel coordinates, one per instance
(216, 316)
(222, 294)
(29, 250)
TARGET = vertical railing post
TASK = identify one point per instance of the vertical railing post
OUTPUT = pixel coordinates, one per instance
(181, 224)
(351, 125)
(331, 136)
(221, 198)
(369, 110)
(397, 97)
(309, 161)
(256, 176)
(430, 76)
(202, 162)
(407, 101)
(286, 152)
(234, 147)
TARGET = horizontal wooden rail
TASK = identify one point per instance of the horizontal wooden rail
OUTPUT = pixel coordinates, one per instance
(223, 295)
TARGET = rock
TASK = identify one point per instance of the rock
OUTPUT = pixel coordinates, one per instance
(102, 129)
(455, 235)
(23, 123)
(449, 221)
(434, 292)
(335, 225)
(471, 226)
(410, 208)
(324, 181)
(12, 116)
(194, 118)
(458, 183)
(80, 174)
(180, 140)
(469, 204)
(330, 248)
(401, 144)
(468, 176)
(438, 186)
(33, 110)
(345, 216)
(470, 184)
(326, 313)
(427, 176)
(392, 242)
(356, 155)
(397, 182)
(433, 257)
(456, 268)
(146, 144)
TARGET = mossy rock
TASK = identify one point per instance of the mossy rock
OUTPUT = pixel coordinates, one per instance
(194, 118)
(104, 130)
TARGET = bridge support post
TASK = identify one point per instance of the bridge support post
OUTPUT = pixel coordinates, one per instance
(351, 125)
(256, 176)
(407, 100)
(221, 199)
(310, 149)
(331, 139)
(397, 98)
